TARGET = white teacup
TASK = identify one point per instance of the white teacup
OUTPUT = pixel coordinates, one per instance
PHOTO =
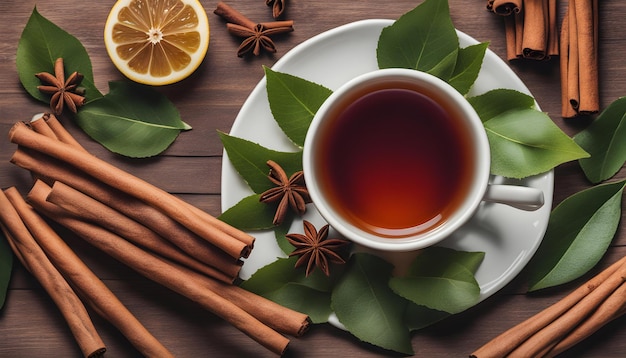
(397, 160)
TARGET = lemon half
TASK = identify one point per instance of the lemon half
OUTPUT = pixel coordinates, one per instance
(157, 42)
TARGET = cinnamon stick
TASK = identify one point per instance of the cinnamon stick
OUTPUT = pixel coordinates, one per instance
(229, 14)
(166, 274)
(531, 29)
(121, 180)
(535, 38)
(586, 29)
(278, 317)
(567, 50)
(86, 208)
(553, 32)
(84, 281)
(64, 136)
(39, 125)
(510, 31)
(51, 170)
(612, 308)
(506, 7)
(519, 34)
(506, 342)
(579, 71)
(212, 221)
(59, 290)
(573, 65)
(550, 335)
(283, 25)
(59, 131)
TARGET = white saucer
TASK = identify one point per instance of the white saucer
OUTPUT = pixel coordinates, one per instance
(509, 237)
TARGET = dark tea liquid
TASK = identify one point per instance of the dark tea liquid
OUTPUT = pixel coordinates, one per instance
(396, 162)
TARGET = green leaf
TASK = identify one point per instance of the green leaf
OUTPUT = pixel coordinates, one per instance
(303, 299)
(523, 140)
(41, 43)
(604, 140)
(418, 317)
(281, 283)
(293, 102)
(579, 232)
(498, 101)
(366, 306)
(280, 272)
(250, 214)
(441, 279)
(281, 231)
(132, 120)
(445, 68)
(423, 39)
(6, 265)
(250, 161)
(526, 142)
(470, 260)
(468, 64)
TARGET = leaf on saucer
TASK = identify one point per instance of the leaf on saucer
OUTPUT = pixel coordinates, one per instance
(499, 101)
(523, 140)
(132, 120)
(418, 317)
(579, 232)
(470, 260)
(604, 140)
(441, 279)
(445, 68)
(250, 161)
(422, 39)
(250, 214)
(294, 102)
(467, 68)
(281, 231)
(273, 276)
(6, 265)
(281, 283)
(366, 306)
(300, 298)
(526, 142)
(41, 43)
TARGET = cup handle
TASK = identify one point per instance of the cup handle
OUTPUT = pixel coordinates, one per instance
(521, 197)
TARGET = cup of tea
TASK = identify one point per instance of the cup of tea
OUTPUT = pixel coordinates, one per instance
(397, 160)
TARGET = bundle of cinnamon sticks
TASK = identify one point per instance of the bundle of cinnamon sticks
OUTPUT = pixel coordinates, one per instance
(567, 322)
(530, 27)
(531, 32)
(68, 280)
(151, 231)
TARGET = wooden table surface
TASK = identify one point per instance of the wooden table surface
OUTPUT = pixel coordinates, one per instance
(30, 324)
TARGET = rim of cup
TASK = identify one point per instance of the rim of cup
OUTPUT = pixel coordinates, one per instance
(454, 100)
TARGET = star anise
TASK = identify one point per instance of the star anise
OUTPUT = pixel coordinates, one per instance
(257, 38)
(278, 6)
(289, 192)
(63, 91)
(315, 249)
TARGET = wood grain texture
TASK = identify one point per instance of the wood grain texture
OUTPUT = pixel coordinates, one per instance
(209, 101)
